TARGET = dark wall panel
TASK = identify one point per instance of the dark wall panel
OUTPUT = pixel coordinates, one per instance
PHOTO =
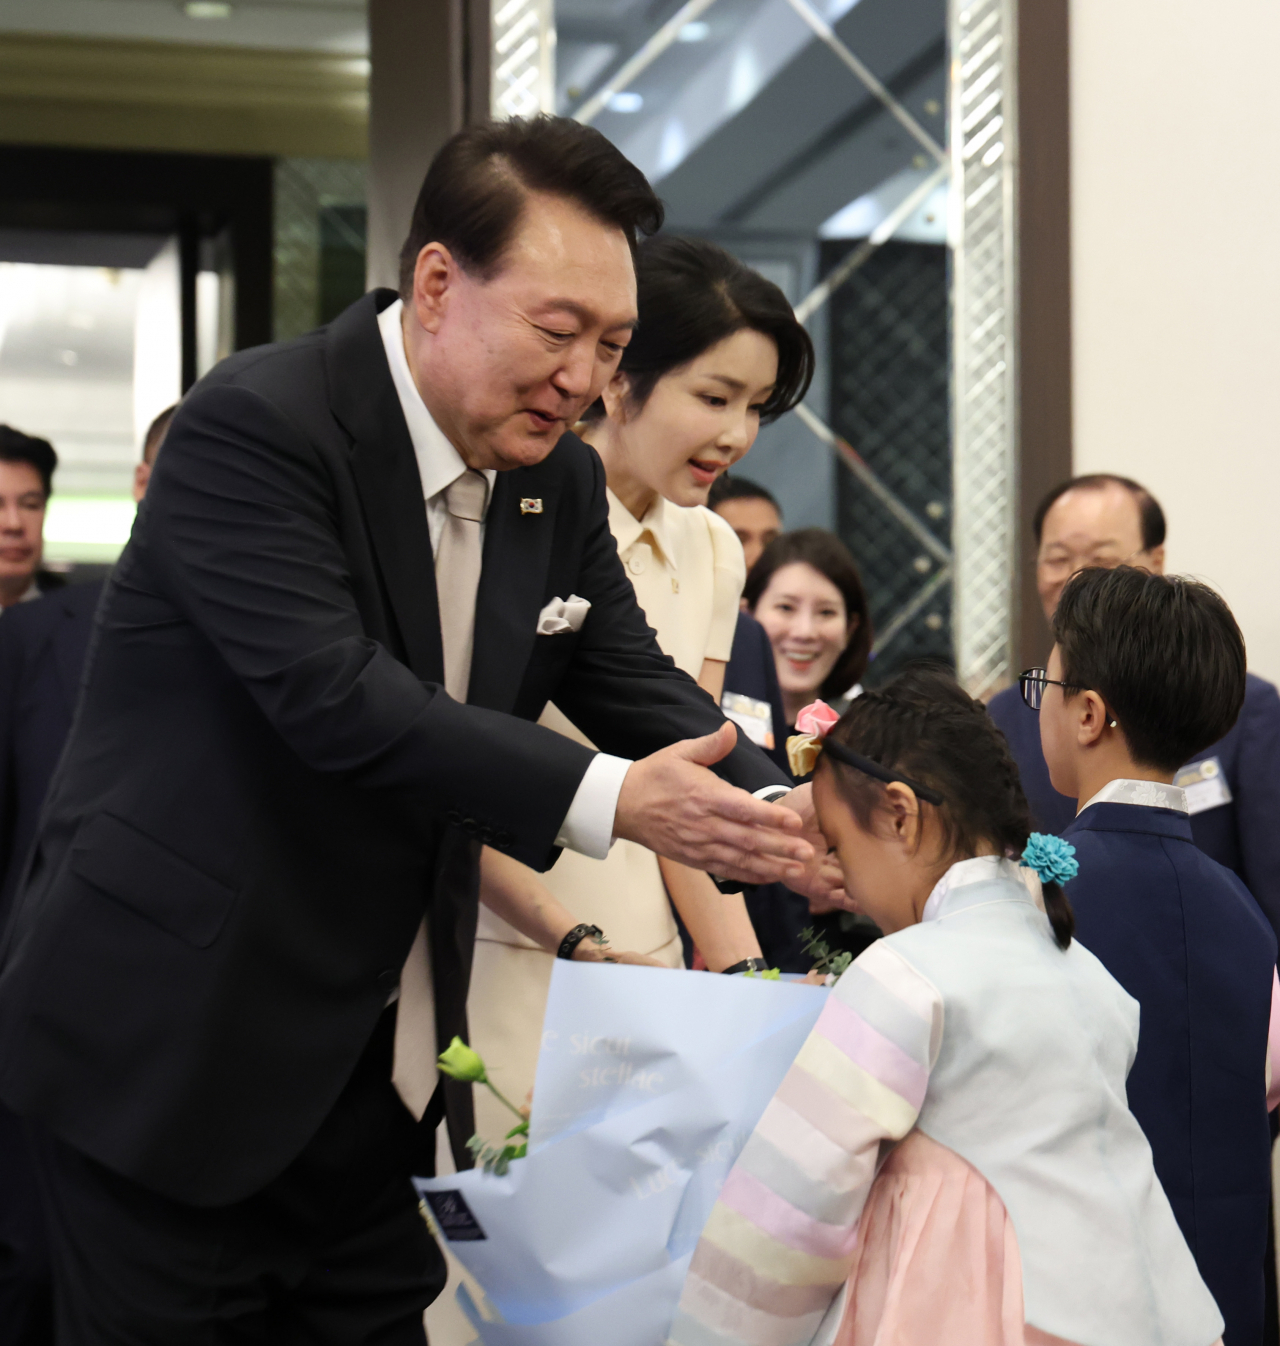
(890, 401)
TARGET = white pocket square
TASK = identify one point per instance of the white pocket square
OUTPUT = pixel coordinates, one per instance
(563, 614)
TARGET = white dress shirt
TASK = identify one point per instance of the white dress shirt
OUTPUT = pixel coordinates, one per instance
(588, 826)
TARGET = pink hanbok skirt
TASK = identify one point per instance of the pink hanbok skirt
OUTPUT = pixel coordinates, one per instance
(937, 1259)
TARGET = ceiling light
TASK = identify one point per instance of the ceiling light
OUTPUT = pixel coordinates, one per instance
(697, 31)
(207, 9)
(626, 102)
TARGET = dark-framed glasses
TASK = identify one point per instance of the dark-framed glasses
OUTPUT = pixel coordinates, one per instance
(1034, 681)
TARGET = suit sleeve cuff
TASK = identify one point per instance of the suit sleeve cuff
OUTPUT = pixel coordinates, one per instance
(588, 826)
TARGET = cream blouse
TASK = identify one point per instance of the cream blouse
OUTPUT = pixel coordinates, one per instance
(688, 571)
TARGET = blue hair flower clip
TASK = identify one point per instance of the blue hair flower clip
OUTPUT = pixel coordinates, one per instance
(1053, 859)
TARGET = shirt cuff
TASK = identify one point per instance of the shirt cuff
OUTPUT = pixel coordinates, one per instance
(772, 793)
(588, 826)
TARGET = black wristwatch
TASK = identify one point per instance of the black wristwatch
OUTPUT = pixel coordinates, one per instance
(747, 965)
(576, 936)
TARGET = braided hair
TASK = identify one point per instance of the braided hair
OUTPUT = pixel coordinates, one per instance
(924, 725)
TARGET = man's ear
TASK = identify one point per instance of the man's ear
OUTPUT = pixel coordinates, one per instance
(1092, 718)
(435, 275)
(1155, 560)
(617, 397)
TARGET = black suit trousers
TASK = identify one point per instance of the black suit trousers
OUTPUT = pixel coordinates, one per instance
(334, 1252)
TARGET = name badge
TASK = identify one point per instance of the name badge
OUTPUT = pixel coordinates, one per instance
(1205, 785)
(754, 718)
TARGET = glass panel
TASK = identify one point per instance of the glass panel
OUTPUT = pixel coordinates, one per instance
(809, 139)
(89, 354)
(319, 241)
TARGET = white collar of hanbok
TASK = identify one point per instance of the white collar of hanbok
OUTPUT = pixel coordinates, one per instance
(980, 869)
(1150, 794)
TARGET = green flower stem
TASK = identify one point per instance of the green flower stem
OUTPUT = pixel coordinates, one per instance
(501, 1099)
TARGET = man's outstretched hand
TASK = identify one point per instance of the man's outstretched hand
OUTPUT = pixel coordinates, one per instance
(671, 803)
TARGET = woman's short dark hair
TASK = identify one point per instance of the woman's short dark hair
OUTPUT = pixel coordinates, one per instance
(474, 191)
(1162, 651)
(829, 556)
(15, 447)
(926, 726)
(692, 294)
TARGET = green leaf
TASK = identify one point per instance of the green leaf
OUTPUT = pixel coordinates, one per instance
(521, 1130)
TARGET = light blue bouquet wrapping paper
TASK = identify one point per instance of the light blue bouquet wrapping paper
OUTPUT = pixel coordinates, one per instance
(649, 1083)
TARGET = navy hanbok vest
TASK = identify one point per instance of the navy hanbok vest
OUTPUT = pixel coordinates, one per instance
(1183, 936)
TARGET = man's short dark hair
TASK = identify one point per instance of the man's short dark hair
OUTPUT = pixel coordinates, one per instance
(474, 192)
(1163, 652)
(1150, 515)
(727, 487)
(156, 432)
(15, 447)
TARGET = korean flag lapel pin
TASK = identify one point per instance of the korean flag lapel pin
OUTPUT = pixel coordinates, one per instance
(531, 504)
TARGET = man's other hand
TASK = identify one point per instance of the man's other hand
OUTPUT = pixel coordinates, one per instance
(822, 882)
(671, 803)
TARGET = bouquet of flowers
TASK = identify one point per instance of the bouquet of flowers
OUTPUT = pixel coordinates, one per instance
(648, 1084)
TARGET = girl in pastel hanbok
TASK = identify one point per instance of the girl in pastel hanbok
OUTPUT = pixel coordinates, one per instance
(950, 1158)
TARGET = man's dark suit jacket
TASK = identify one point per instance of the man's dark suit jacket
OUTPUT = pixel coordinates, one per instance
(42, 653)
(1181, 934)
(1243, 835)
(778, 914)
(752, 671)
(266, 786)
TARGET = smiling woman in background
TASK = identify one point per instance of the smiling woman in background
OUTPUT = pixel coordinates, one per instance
(717, 352)
(807, 594)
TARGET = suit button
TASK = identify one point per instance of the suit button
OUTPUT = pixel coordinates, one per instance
(388, 979)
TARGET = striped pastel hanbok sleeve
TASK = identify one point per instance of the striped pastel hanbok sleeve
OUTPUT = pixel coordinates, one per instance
(780, 1241)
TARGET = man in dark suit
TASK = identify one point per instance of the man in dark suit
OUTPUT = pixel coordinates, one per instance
(1233, 786)
(42, 653)
(310, 700)
(27, 464)
(42, 649)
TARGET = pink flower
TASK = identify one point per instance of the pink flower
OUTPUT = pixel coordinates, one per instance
(816, 719)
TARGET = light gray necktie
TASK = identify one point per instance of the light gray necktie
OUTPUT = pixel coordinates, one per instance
(458, 560)
(458, 577)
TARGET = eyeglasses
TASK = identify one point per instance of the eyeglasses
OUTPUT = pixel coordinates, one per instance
(1063, 567)
(1034, 681)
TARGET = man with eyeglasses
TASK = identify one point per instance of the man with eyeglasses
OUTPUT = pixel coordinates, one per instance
(1233, 787)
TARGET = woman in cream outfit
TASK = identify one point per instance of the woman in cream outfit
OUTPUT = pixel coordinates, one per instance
(718, 350)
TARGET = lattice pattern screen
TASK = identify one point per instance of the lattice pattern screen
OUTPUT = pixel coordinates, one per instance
(890, 401)
(984, 235)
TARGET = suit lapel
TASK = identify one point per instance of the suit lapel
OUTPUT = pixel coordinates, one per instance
(517, 555)
(364, 400)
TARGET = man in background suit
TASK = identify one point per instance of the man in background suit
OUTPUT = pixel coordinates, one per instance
(311, 699)
(750, 510)
(1233, 787)
(42, 653)
(26, 480)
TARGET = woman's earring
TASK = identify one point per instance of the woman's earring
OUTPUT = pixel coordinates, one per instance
(1111, 723)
